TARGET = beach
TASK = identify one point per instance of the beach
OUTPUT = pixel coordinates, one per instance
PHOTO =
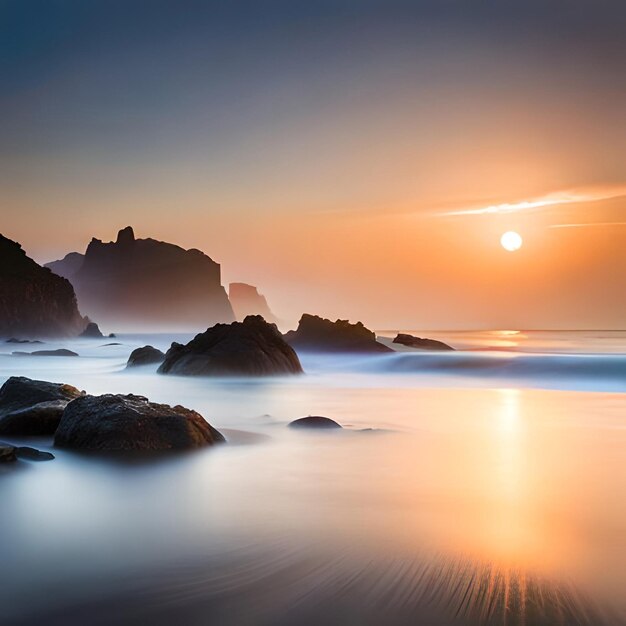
(455, 493)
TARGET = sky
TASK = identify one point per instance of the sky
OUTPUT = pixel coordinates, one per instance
(351, 159)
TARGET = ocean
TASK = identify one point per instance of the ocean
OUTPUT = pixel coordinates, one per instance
(480, 486)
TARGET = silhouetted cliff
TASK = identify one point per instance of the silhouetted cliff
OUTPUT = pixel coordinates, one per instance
(144, 282)
(246, 300)
(68, 265)
(34, 302)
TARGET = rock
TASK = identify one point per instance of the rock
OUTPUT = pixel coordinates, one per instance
(92, 331)
(421, 343)
(145, 356)
(147, 282)
(112, 336)
(59, 352)
(7, 453)
(31, 454)
(68, 265)
(33, 407)
(105, 345)
(246, 300)
(249, 348)
(316, 334)
(314, 421)
(14, 340)
(129, 422)
(34, 302)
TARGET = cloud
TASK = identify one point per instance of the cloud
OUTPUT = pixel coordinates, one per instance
(553, 199)
(585, 225)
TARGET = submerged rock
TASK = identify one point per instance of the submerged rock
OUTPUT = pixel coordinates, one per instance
(7, 453)
(314, 421)
(14, 340)
(148, 355)
(129, 422)
(59, 352)
(33, 407)
(92, 331)
(31, 454)
(317, 334)
(249, 348)
(421, 343)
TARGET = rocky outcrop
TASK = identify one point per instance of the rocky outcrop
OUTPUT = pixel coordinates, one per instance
(92, 331)
(14, 340)
(317, 334)
(59, 352)
(68, 265)
(34, 302)
(249, 348)
(314, 421)
(32, 454)
(421, 343)
(246, 300)
(129, 422)
(144, 282)
(33, 407)
(8, 453)
(147, 355)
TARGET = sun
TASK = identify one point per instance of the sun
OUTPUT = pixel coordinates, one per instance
(511, 241)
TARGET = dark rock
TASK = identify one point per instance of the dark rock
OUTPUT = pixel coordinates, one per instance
(421, 343)
(92, 331)
(147, 282)
(246, 300)
(112, 336)
(68, 265)
(33, 407)
(104, 345)
(14, 340)
(249, 348)
(145, 356)
(59, 352)
(7, 453)
(314, 421)
(34, 302)
(317, 334)
(128, 422)
(31, 454)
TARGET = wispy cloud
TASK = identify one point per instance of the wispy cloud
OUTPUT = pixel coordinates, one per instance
(587, 224)
(553, 199)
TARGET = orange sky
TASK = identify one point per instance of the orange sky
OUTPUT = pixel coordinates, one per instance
(341, 160)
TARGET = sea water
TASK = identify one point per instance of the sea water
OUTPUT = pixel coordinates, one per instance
(481, 486)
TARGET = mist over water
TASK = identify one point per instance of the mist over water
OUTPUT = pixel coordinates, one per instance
(473, 487)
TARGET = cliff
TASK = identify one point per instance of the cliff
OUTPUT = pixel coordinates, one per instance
(34, 302)
(68, 265)
(246, 300)
(144, 282)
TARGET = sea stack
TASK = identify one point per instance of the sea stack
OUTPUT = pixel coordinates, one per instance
(145, 282)
(246, 300)
(92, 331)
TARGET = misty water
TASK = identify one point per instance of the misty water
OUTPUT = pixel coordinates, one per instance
(483, 486)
